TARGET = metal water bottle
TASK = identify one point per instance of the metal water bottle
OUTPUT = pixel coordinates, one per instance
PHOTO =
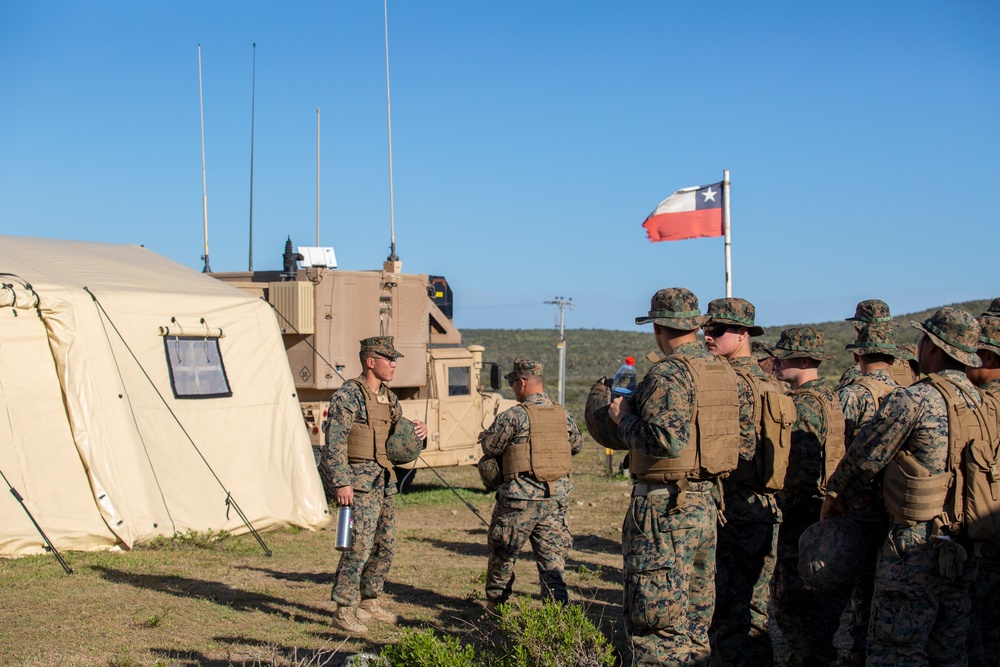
(345, 528)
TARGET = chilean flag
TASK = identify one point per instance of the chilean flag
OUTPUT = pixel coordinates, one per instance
(690, 213)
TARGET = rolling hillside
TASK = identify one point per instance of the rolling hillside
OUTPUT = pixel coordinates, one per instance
(591, 353)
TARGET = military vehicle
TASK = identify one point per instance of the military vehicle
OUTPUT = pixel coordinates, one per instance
(323, 312)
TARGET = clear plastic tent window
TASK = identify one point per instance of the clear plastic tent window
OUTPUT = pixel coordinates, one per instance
(196, 368)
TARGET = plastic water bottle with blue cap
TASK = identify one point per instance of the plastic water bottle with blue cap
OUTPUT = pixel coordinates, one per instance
(624, 382)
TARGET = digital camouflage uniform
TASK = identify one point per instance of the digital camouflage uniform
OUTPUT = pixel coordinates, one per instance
(984, 633)
(808, 620)
(668, 540)
(747, 541)
(364, 567)
(919, 615)
(526, 508)
(866, 509)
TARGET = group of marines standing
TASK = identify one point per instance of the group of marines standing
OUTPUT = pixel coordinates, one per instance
(730, 465)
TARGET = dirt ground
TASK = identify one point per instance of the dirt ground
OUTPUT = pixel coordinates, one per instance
(226, 603)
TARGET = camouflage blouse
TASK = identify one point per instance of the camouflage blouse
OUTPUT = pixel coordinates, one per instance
(347, 407)
(511, 427)
(857, 402)
(805, 460)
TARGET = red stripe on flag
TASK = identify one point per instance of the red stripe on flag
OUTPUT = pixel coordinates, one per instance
(684, 225)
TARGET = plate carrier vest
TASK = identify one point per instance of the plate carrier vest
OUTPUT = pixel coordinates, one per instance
(366, 442)
(773, 418)
(834, 447)
(714, 448)
(546, 454)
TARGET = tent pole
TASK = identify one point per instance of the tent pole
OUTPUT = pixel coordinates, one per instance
(51, 547)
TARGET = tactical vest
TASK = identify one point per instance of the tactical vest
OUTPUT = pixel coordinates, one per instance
(714, 447)
(773, 419)
(546, 454)
(965, 498)
(878, 389)
(366, 442)
(834, 447)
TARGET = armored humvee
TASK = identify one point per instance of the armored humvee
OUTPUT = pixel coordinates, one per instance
(323, 312)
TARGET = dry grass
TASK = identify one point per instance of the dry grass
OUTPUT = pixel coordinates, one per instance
(220, 603)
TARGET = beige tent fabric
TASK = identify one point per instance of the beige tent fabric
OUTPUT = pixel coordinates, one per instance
(156, 464)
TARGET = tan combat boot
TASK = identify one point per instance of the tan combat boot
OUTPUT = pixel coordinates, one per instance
(370, 610)
(345, 620)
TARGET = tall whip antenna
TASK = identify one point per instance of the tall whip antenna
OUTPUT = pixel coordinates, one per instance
(388, 105)
(204, 187)
(317, 178)
(253, 97)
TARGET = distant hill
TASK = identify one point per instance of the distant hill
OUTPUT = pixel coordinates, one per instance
(591, 353)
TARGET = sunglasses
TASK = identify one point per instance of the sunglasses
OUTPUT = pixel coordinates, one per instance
(716, 330)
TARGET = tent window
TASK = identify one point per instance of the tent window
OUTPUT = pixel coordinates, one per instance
(196, 368)
(459, 380)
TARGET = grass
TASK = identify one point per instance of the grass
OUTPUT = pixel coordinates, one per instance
(217, 600)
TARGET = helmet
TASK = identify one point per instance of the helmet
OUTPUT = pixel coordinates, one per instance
(403, 445)
(489, 472)
(830, 553)
(599, 423)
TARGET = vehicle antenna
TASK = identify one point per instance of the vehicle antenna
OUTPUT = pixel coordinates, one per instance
(204, 188)
(388, 106)
(253, 97)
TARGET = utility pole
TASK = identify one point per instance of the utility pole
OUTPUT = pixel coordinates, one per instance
(563, 303)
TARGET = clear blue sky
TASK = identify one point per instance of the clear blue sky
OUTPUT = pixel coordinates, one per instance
(530, 140)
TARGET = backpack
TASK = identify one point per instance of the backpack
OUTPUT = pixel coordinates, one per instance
(774, 416)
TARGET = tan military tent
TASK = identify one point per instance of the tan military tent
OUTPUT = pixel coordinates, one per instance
(137, 396)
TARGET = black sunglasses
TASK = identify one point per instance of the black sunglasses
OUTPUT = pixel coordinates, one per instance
(716, 330)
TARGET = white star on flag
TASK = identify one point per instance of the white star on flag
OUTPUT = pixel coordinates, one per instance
(709, 194)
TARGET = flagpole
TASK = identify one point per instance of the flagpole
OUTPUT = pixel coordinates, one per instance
(725, 229)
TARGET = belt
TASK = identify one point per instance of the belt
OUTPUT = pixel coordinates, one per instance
(649, 489)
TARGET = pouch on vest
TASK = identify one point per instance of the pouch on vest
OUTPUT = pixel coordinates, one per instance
(776, 421)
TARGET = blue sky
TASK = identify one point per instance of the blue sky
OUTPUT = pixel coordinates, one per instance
(530, 140)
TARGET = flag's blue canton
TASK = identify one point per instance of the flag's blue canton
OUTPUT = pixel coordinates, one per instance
(709, 196)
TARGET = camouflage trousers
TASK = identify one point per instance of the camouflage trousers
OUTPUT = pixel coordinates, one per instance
(984, 632)
(669, 576)
(874, 533)
(744, 564)
(808, 620)
(515, 522)
(919, 617)
(364, 568)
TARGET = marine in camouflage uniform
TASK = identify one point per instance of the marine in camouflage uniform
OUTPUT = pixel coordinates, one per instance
(747, 541)
(368, 485)
(984, 632)
(875, 350)
(870, 311)
(528, 508)
(920, 611)
(808, 620)
(669, 532)
(764, 354)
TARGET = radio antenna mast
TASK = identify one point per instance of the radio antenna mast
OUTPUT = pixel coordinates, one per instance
(204, 187)
(253, 97)
(388, 105)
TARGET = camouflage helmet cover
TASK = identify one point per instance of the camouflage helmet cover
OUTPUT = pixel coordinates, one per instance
(674, 307)
(601, 427)
(954, 331)
(489, 472)
(830, 552)
(403, 445)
